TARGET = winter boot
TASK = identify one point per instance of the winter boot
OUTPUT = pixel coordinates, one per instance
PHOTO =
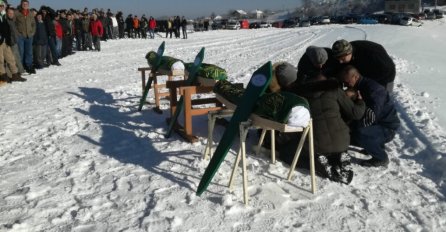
(323, 166)
(342, 175)
(4, 79)
(17, 77)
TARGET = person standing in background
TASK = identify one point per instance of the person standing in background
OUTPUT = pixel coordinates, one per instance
(26, 27)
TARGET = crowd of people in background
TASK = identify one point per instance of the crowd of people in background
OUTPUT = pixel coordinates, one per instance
(36, 38)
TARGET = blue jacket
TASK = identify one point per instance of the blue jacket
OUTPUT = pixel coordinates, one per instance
(377, 99)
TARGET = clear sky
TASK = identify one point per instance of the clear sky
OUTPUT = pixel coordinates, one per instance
(157, 8)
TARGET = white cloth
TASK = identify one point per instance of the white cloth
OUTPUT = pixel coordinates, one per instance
(299, 117)
(177, 66)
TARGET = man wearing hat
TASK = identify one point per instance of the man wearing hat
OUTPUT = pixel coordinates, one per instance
(370, 58)
(315, 61)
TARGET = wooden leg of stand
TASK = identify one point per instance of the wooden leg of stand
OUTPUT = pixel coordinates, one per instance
(262, 137)
(188, 112)
(299, 149)
(273, 146)
(312, 169)
(243, 133)
(143, 80)
(211, 123)
(234, 169)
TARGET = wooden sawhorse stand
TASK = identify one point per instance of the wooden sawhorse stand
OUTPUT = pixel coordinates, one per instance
(159, 87)
(257, 122)
(181, 88)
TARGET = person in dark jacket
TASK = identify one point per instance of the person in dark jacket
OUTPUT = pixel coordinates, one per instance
(49, 15)
(316, 60)
(380, 121)
(330, 108)
(40, 42)
(143, 25)
(121, 24)
(184, 27)
(370, 58)
(67, 42)
(77, 21)
(129, 26)
(176, 26)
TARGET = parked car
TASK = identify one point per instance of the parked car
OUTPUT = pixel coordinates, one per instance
(233, 25)
(289, 23)
(438, 14)
(367, 20)
(324, 20)
(254, 25)
(406, 21)
(431, 15)
(265, 25)
(382, 18)
(304, 23)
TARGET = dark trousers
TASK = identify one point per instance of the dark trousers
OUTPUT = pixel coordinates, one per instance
(372, 139)
(184, 33)
(67, 45)
(97, 43)
(52, 56)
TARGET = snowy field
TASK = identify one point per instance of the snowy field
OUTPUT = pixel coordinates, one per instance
(76, 155)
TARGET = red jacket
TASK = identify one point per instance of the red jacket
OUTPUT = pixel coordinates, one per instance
(58, 28)
(96, 28)
(152, 24)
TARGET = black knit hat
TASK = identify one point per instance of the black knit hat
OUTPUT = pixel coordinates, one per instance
(341, 48)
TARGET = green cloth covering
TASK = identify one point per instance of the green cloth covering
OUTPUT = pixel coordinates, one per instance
(210, 71)
(277, 106)
(273, 106)
(165, 63)
(231, 92)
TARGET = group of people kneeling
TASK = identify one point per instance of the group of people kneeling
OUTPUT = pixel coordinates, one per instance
(348, 88)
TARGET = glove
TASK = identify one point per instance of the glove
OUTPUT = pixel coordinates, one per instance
(369, 117)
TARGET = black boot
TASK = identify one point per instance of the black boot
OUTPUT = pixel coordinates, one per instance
(4, 79)
(342, 170)
(17, 77)
(323, 166)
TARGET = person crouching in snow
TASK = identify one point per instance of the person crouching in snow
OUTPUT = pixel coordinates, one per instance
(329, 107)
(97, 31)
(380, 121)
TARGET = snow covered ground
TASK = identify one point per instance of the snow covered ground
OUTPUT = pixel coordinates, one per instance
(76, 155)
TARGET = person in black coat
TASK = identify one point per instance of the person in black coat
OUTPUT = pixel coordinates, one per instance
(184, 27)
(380, 121)
(316, 60)
(48, 18)
(121, 24)
(40, 42)
(370, 58)
(129, 26)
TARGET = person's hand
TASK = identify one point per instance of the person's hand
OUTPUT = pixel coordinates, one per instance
(350, 93)
(359, 96)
